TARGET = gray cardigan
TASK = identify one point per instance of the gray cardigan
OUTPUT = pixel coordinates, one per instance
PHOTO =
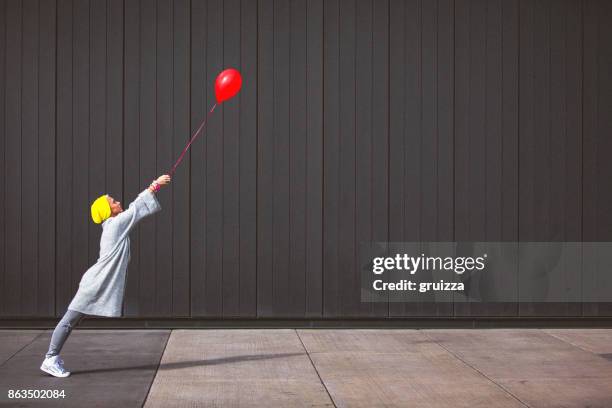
(102, 287)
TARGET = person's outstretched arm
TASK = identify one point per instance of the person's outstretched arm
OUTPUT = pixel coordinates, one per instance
(144, 205)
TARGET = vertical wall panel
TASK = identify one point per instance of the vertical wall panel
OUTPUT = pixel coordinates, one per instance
(591, 143)
(470, 194)
(436, 89)
(29, 149)
(445, 106)
(348, 299)
(541, 173)
(463, 210)
(213, 270)
(199, 92)
(3, 142)
(82, 226)
(397, 52)
(363, 141)
(131, 157)
(509, 178)
(445, 133)
(151, 277)
(597, 128)
(180, 136)
(113, 124)
(113, 109)
(380, 133)
(47, 159)
(314, 159)
(527, 125)
(97, 79)
(510, 119)
(280, 181)
(12, 287)
(64, 289)
(527, 120)
(404, 127)
(164, 124)
(510, 137)
(297, 158)
(265, 157)
(230, 111)
(429, 120)
(571, 91)
(590, 129)
(331, 147)
(347, 269)
(493, 135)
(247, 178)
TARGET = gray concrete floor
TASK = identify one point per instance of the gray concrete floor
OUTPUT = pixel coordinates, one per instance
(315, 367)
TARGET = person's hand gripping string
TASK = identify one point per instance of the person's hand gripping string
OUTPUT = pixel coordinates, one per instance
(159, 182)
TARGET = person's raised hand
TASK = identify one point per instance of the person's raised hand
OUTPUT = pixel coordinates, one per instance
(163, 180)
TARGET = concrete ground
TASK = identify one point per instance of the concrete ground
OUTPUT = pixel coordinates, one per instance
(315, 368)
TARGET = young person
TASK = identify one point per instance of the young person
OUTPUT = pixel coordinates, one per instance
(102, 287)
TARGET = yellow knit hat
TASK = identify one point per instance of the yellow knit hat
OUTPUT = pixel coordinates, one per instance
(100, 209)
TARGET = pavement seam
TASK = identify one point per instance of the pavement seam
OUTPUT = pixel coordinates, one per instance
(315, 368)
(569, 342)
(18, 351)
(477, 370)
(156, 369)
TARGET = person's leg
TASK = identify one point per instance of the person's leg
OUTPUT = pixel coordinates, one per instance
(62, 331)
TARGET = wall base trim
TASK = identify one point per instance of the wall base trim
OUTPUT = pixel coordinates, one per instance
(345, 323)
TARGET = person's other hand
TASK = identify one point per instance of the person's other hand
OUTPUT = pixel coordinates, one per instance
(163, 180)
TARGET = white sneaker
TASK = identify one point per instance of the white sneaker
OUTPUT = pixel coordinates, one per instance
(54, 366)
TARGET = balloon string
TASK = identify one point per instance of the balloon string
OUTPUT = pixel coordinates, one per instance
(192, 139)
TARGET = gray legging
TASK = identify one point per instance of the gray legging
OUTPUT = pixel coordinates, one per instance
(62, 331)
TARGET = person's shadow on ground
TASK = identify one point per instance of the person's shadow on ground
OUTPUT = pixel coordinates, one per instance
(187, 364)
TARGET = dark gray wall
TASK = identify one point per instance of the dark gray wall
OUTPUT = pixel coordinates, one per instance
(358, 120)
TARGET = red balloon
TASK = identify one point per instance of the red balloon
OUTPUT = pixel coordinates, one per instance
(227, 84)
